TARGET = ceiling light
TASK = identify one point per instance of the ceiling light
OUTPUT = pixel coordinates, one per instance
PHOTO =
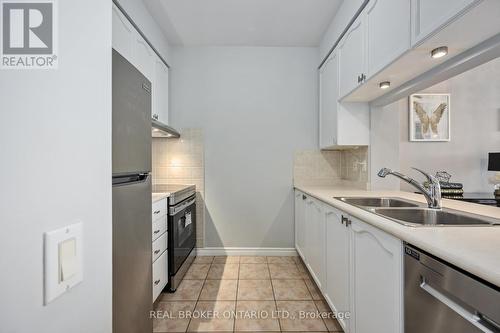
(439, 52)
(384, 85)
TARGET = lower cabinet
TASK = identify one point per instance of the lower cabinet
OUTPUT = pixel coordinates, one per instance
(357, 267)
(300, 211)
(159, 275)
(315, 240)
(337, 263)
(377, 280)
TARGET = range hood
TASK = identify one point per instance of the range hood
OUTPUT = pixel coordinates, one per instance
(160, 130)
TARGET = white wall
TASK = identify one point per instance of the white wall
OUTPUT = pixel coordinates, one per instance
(475, 130)
(55, 148)
(140, 14)
(345, 13)
(256, 107)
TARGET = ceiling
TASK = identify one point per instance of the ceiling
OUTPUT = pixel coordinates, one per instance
(243, 22)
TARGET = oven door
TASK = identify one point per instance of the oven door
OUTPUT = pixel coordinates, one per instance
(182, 233)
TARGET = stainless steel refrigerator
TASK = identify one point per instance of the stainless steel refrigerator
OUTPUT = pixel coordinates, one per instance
(132, 269)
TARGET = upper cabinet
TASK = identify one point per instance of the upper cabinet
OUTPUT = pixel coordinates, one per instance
(145, 57)
(428, 16)
(341, 124)
(351, 54)
(387, 24)
(123, 35)
(160, 92)
(391, 40)
(130, 44)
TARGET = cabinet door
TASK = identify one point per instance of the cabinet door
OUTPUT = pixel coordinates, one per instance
(428, 16)
(337, 263)
(122, 35)
(315, 240)
(351, 55)
(377, 283)
(328, 103)
(387, 24)
(300, 200)
(160, 92)
(144, 57)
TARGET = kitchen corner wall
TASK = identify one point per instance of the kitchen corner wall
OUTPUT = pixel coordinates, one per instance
(330, 168)
(182, 161)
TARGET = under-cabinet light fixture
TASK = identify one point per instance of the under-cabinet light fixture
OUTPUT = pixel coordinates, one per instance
(439, 52)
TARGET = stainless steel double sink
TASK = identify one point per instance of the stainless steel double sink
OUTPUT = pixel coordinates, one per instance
(414, 214)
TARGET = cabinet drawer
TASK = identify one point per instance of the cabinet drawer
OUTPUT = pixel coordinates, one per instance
(159, 246)
(159, 209)
(160, 275)
(159, 227)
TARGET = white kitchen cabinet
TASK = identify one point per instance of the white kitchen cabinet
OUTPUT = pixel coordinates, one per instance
(341, 124)
(300, 206)
(351, 57)
(429, 16)
(337, 263)
(145, 57)
(315, 240)
(122, 35)
(387, 24)
(160, 275)
(328, 103)
(376, 280)
(160, 92)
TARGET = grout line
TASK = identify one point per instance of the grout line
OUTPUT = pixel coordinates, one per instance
(274, 295)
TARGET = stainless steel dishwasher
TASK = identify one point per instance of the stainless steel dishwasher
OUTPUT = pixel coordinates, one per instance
(441, 298)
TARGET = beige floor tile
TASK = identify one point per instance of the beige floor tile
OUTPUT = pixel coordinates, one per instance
(284, 271)
(255, 316)
(297, 321)
(223, 272)
(219, 317)
(254, 271)
(253, 260)
(297, 259)
(280, 260)
(189, 290)
(291, 290)
(203, 260)
(328, 317)
(221, 290)
(226, 260)
(255, 290)
(315, 293)
(167, 316)
(197, 272)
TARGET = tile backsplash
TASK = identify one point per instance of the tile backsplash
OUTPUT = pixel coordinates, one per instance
(327, 168)
(182, 161)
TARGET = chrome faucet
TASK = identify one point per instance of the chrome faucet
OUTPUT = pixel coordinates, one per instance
(432, 195)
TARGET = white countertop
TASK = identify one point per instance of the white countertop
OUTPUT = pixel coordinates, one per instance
(156, 196)
(474, 249)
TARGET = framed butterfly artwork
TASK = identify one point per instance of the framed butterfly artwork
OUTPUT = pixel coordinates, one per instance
(429, 117)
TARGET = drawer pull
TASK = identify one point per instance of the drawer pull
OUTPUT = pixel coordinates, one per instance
(157, 251)
(157, 212)
(157, 282)
(156, 231)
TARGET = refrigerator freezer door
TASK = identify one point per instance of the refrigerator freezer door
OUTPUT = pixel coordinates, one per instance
(132, 270)
(131, 118)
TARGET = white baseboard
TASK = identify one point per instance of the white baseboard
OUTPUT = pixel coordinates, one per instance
(246, 251)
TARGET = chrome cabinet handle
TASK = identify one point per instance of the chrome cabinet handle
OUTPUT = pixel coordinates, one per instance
(156, 212)
(156, 231)
(156, 282)
(157, 251)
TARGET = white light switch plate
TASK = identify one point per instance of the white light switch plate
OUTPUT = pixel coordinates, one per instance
(63, 260)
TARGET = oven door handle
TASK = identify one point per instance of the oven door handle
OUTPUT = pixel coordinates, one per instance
(472, 318)
(176, 209)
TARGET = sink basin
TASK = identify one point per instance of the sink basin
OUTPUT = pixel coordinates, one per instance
(432, 217)
(378, 202)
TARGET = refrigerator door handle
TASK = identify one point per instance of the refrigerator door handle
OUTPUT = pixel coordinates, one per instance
(130, 179)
